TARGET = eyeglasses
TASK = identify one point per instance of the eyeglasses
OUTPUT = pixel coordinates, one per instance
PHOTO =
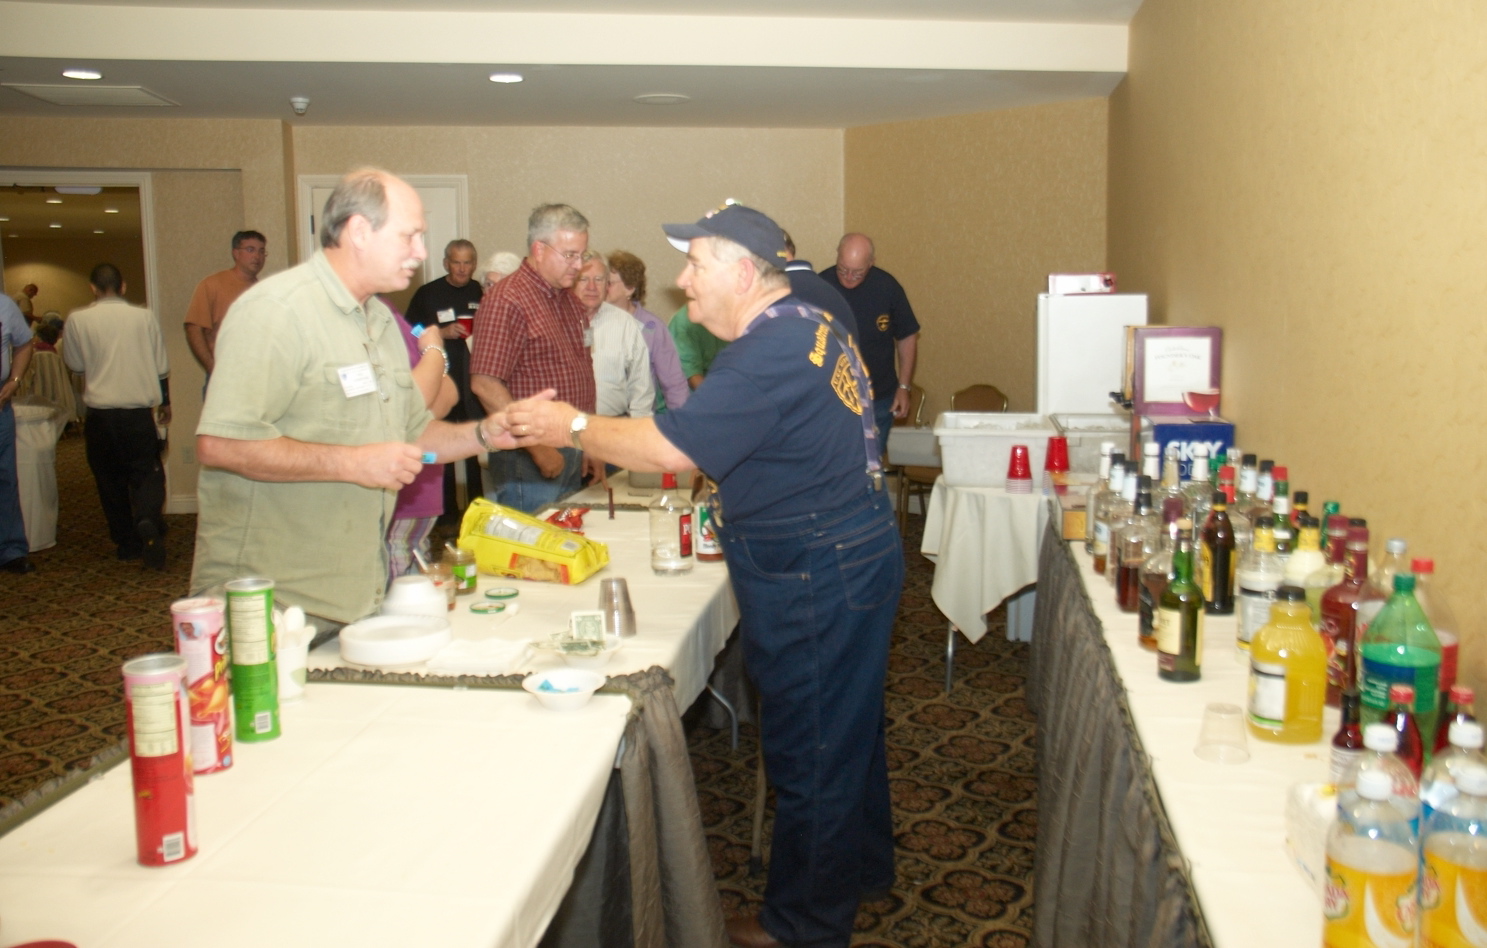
(846, 274)
(571, 256)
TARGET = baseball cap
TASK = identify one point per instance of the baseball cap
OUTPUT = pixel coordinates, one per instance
(744, 226)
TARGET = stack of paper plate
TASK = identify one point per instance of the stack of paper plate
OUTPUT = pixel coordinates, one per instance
(394, 640)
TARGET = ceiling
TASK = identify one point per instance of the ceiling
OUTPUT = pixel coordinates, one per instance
(743, 63)
(25, 213)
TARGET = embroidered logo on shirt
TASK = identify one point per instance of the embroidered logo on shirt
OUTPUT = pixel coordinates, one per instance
(883, 323)
(845, 385)
(818, 352)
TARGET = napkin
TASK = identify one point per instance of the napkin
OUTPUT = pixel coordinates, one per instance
(481, 657)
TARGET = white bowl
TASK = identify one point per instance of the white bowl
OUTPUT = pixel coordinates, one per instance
(394, 640)
(595, 660)
(415, 595)
(573, 687)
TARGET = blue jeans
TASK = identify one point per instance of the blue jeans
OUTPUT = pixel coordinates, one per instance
(518, 483)
(818, 595)
(883, 421)
(13, 543)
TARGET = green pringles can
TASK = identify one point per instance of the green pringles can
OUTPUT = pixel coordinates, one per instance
(255, 671)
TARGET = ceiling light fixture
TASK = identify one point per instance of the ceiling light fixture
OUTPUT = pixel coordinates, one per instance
(506, 77)
(78, 189)
(662, 98)
(55, 226)
(97, 231)
(82, 74)
(110, 210)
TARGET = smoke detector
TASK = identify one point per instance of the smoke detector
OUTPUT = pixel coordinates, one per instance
(300, 104)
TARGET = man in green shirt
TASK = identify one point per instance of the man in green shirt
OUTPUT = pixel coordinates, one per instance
(312, 422)
(695, 346)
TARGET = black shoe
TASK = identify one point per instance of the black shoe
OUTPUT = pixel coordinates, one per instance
(154, 551)
(21, 565)
(127, 553)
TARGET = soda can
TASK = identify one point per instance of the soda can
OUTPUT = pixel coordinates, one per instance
(255, 673)
(158, 719)
(201, 639)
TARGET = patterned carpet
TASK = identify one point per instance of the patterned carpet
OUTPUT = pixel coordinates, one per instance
(962, 766)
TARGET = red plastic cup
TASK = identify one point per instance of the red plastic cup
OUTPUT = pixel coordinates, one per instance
(1019, 467)
(1057, 459)
(468, 322)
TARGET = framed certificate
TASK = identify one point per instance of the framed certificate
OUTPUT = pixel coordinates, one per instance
(1175, 368)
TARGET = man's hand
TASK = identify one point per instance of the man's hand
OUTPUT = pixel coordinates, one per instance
(594, 470)
(541, 421)
(901, 404)
(7, 391)
(454, 330)
(549, 461)
(388, 465)
(162, 415)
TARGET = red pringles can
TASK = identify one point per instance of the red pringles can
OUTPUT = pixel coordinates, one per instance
(158, 719)
(201, 639)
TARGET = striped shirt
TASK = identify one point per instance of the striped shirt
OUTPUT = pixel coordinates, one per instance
(530, 336)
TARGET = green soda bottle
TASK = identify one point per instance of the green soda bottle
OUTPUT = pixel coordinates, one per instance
(1400, 647)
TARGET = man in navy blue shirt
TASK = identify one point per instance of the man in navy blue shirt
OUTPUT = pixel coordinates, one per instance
(812, 550)
(886, 328)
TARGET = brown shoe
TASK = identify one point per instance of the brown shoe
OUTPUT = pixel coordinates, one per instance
(744, 931)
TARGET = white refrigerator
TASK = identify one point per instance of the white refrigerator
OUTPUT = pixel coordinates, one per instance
(1082, 350)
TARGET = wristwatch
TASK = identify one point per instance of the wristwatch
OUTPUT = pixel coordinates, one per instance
(907, 388)
(576, 427)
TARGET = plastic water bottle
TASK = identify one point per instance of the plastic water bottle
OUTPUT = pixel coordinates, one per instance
(1373, 865)
(1453, 887)
(1380, 741)
(1438, 785)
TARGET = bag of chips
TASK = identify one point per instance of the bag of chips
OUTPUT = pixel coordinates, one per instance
(510, 543)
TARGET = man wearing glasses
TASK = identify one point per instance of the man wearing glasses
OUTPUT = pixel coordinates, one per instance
(886, 328)
(531, 335)
(312, 422)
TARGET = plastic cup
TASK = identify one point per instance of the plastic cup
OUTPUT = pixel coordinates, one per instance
(1019, 467)
(1222, 738)
(614, 602)
(468, 322)
(1057, 458)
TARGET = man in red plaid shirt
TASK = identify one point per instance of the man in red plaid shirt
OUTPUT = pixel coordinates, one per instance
(530, 335)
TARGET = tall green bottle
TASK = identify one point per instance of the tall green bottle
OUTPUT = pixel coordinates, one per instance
(1400, 647)
(1180, 628)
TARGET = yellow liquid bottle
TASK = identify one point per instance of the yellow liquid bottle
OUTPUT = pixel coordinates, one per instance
(1288, 673)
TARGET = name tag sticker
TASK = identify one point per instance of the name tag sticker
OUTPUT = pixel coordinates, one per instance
(357, 379)
(446, 315)
(472, 306)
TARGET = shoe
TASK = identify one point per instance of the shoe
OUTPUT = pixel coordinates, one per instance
(744, 931)
(127, 553)
(21, 565)
(154, 551)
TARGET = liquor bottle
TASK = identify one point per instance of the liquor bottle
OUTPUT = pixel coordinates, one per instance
(1156, 573)
(1401, 717)
(1442, 619)
(1217, 562)
(671, 530)
(1308, 557)
(708, 548)
(1400, 647)
(1196, 488)
(1264, 493)
(1458, 707)
(1373, 862)
(1288, 674)
(1248, 483)
(1339, 609)
(1118, 507)
(1137, 542)
(1257, 580)
(1380, 584)
(1151, 460)
(1171, 485)
(1347, 743)
(1180, 632)
(1438, 782)
(1280, 506)
(1101, 512)
(1334, 556)
(1300, 507)
(1455, 875)
(1095, 490)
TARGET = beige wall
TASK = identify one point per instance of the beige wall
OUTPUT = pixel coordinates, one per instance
(60, 269)
(971, 213)
(1309, 177)
(627, 181)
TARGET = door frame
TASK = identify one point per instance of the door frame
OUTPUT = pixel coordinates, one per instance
(304, 228)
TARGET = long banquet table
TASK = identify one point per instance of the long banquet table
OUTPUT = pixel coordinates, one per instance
(1140, 842)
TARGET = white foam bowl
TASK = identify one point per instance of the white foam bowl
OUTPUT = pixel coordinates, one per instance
(415, 595)
(573, 687)
(597, 660)
(394, 640)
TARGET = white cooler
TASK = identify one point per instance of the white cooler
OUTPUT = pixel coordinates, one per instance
(976, 446)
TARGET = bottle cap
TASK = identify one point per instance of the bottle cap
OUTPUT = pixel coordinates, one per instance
(1106, 447)
(1395, 545)
(1466, 734)
(1404, 582)
(1291, 594)
(1219, 497)
(1381, 737)
(1473, 780)
(1400, 693)
(1422, 564)
(1266, 466)
(1375, 785)
(1357, 534)
(1280, 472)
(1248, 460)
(1462, 694)
(1226, 473)
(1151, 449)
(1337, 524)
(1308, 522)
(1117, 457)
(668, 479)
(1301, 497)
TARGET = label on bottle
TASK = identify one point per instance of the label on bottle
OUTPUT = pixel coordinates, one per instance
(1102, 538)
(1254, 612)
(1169, 639)
(1453, 894)
(1378, 674)
(1368, 900)
(684, 524)
(1342, 759)
(1267, 695)
(1205, 571)
(707, 538)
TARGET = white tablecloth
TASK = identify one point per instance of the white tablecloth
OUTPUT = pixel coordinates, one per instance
(682, 622)
(384, 815)
(1229, 820)
(984, 542)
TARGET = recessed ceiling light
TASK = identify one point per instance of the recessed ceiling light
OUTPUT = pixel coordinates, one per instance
(4, 220)
(97, 231)
(55, 226)
(78, 189)
(506, 77)
(110, 210)
(54, 200)
(662, 98)
(82, 74)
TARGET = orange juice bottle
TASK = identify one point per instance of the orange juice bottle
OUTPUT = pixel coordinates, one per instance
(1453, 889)
(1373, 864)
(1288, 673)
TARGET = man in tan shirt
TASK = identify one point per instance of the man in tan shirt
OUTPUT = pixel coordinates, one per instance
(215, 294)
(120, 352)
